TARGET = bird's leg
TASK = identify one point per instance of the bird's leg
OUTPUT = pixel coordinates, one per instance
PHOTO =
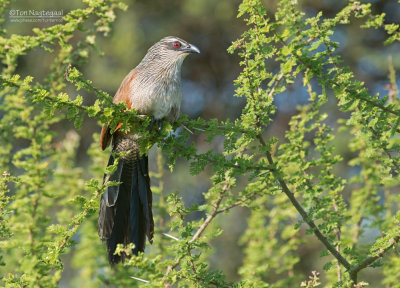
(157, 122)
(159, 125)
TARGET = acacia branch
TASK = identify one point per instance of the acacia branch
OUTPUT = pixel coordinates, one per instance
(335, 84)
(36, 95)
(78, 222)
(375, 133)
(237, 203)
(353, 271)
(306, 218)
(338, 234)
(210, 217)
(169, 269)
(206, 222)
(139, 118)
(211, 160)
(385, 150)
(364, 264)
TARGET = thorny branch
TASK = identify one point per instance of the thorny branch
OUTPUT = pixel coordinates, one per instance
(335, 84)
(352, 270)
(77, 223)
(304, 214)
(196, 236)
(237, 203)
(211, 160)
(364, 264)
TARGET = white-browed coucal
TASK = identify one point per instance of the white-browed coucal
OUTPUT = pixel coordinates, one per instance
(152, 88)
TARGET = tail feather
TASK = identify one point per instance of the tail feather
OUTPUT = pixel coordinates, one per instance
(125, 210)
(142, 184)
(111, 193)
(150, 230)
(107, 213)
(136, 219)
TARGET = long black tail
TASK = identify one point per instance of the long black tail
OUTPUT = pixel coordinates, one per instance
(125, 214)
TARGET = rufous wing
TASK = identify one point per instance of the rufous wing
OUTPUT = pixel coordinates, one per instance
(122, 95)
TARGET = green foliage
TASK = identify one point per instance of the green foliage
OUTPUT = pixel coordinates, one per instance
(48, 204)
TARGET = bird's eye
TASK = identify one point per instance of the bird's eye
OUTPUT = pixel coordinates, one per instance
(177, 44)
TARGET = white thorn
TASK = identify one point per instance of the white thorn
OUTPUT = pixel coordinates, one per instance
(170, 236)
(136, 278)
(190, 131)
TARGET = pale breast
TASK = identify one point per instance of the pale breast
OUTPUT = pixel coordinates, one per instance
(167, 101)
(157, 96)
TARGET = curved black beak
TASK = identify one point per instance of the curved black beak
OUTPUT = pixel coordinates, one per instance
(191, 49)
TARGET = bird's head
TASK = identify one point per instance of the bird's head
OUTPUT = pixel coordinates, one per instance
(170, 50)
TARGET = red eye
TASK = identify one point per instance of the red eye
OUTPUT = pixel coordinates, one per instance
(177, 44)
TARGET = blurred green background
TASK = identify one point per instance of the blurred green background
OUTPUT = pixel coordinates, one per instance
(208, 85)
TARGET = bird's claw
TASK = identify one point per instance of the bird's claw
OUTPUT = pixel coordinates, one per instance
(157, 122)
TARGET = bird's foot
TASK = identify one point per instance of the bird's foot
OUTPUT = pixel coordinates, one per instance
(157, 123)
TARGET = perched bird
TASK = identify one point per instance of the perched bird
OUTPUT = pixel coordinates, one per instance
(152, 88)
